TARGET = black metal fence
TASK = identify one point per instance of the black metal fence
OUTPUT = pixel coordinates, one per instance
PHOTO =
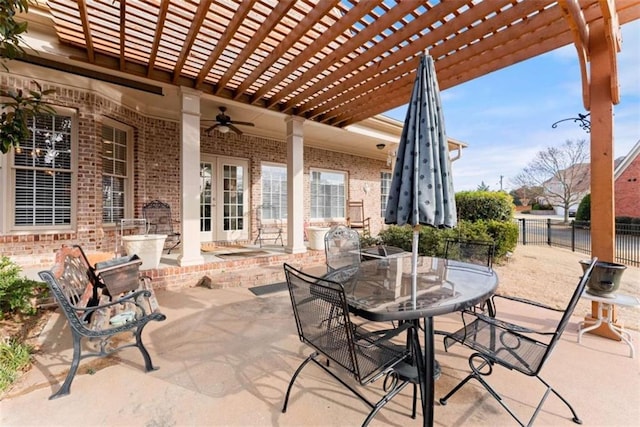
(576, 236)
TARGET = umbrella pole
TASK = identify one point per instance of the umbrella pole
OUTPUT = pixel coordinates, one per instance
(414, 264)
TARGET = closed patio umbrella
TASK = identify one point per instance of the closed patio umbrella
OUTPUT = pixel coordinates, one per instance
(421, 191)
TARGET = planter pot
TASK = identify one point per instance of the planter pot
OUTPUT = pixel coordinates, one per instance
(605, 278)
(316, 237)
(147, 246)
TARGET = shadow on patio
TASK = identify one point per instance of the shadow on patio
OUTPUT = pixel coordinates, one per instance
(226, 356)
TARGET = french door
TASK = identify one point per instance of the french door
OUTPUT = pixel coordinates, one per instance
(224, 199)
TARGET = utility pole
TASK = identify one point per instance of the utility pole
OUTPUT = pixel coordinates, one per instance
(501, 177)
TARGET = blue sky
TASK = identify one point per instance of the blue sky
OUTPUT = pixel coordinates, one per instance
(505, 117)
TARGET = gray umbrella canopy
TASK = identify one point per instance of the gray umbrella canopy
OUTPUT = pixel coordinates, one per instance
(421, 189)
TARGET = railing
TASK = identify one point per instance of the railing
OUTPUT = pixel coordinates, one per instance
(576, 236)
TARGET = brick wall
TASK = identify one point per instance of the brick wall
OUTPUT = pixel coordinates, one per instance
(157, 172)
(627, 197)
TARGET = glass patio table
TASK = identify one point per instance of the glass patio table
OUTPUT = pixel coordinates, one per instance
(380, 290)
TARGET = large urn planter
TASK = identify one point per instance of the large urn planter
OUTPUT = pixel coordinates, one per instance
(605, 278)
(148, 247)
(316, 237)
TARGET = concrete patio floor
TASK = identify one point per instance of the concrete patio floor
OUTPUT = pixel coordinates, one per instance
(226, 356)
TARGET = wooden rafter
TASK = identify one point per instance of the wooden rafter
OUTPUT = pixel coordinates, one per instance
(332, 62)
(580, 30)
(367, 76)
(302, 28)
(328, 36)
(86, 30)
(194, 29)
(233, 26)
(377, 27)
(123, 32)
(276, 14)
(162, 16)
(612, 33)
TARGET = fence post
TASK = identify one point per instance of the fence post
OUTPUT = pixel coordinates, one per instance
(573, 236)
(549, 231)
(524, 230)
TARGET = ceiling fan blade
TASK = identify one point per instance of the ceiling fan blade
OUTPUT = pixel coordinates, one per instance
(242, 123)
(235, 129)
(210, 128)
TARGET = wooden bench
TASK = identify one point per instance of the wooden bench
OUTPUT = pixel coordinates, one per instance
(94, 313)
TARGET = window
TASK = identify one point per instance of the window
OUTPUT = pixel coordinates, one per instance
(233, 196)
(328, 194)
(42, 173)
(116, 170)
(385, 185)
(274, 192)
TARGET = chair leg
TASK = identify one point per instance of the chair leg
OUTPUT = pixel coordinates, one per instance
(477, 374)
(148, 365)
(66, 386)
(293, 379)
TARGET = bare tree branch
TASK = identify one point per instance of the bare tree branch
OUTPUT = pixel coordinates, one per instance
(562, 173)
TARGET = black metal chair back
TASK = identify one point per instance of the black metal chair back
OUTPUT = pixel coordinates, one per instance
(342, 247)
(516, 347)
(472, 251)
(479, 252)
(159, 221)
(322, 319)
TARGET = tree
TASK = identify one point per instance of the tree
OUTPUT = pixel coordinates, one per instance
(21, 107)
(562, 173)
(526, 195)
(483, 187)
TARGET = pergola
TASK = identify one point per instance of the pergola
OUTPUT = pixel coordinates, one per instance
(339, 62)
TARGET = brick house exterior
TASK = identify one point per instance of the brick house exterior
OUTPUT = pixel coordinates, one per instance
(156, 175)
(627, 184)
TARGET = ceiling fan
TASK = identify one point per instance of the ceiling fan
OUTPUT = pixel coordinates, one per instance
(224, 123)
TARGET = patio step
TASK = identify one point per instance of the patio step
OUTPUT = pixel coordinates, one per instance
(247, 278)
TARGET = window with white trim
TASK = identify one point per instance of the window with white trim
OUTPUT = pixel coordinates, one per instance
(42, 173)
(328, 194)
(385, 185)
(274, 191)
(116, 171)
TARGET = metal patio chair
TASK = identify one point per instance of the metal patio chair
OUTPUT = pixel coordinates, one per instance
(322, 318)
(268, 229)
(159, 221)
(356, 218)
(341, 247)
(479, 252)
(518, 348)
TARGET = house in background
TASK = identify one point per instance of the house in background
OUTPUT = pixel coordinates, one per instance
(627, 184)
(572, 184)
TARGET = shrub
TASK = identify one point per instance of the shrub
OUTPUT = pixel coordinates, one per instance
(16, 293)
(484, 205)
(14, 357)
(432, 240)
(584, 209)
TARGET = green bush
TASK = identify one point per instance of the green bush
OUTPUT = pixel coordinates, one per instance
(16, 293)
(14, 357)
(432, 240)
(484, 205)
(584, 209)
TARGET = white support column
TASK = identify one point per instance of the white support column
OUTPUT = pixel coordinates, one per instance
(295, 186)
(190, 177)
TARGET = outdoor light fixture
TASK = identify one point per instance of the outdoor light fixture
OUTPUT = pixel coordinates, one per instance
(380, 146)
(223, 129)
(581, 120)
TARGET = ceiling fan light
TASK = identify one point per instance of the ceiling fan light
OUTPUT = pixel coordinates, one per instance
(223, 129)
